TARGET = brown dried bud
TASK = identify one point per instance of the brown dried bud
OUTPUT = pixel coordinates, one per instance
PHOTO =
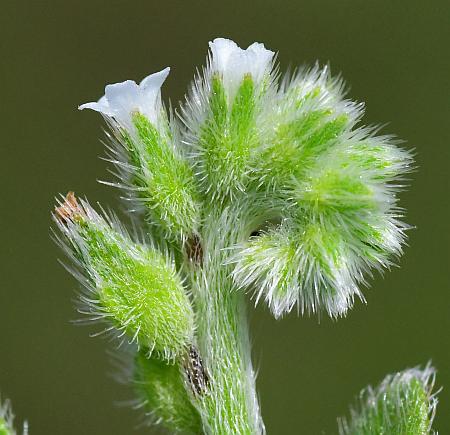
(69, 209)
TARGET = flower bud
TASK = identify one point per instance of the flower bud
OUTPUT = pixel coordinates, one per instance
(222, 113)
(148, 160)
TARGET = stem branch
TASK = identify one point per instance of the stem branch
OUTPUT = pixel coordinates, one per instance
(230, 404)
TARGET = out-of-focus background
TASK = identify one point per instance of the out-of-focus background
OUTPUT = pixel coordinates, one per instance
(58, 54)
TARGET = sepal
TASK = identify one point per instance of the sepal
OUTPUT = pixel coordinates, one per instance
(404, 403)
(162, 392)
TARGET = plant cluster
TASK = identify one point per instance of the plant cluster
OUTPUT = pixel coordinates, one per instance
(256, 184)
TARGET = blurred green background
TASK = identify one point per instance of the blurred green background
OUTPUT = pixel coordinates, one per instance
(58, 54)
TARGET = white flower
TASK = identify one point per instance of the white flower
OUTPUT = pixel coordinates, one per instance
(233, 62)
(123, 99)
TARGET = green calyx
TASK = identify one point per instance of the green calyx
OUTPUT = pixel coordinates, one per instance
(165, 182)
(137, 288)
(161, 388)
(402, 404)
(228, 138)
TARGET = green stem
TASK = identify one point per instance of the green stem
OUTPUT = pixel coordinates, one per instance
(229, 404)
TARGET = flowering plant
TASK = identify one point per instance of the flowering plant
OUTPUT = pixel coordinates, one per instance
(255, 185)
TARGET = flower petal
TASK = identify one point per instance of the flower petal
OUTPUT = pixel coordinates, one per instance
(233, 63)
(122, 99)
(221, 50)
(101, 106)
(156, 80)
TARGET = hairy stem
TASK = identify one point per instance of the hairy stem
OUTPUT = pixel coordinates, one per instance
(229, 403)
